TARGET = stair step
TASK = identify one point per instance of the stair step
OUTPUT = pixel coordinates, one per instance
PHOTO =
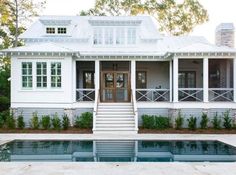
(114, 122)
(115, 119)
(115, 104)
(114, 129)
(115, 113)
(115, 107)
(126, 118)
(112, 126)
(115, 110)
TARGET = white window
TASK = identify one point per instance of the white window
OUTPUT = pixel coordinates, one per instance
(108, 36)
(26, 69)
(120, 36)
(56, 75)
(41, 71)
(50, 30)
(131, 36)
(97, 36)
(61, 30)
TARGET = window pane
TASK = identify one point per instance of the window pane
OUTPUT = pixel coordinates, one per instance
(97, 36)
(131, 36)
(26, 74)
(108, 36)
(120, 36)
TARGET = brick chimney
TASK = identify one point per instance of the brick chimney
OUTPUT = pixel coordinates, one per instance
(224, 35)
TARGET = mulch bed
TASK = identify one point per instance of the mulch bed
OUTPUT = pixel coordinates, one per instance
(51, 131)
(141, 131)
(187, 131)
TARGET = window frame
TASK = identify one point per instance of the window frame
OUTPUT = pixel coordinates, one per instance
(143, 85)
(27, 75)
(61, 30)
(131, 36)
(56, 75)
(49, 29)
(186, 82)
(43, 74)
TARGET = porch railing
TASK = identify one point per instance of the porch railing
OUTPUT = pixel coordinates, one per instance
(85, 95)
(190, 94)
(221, 94)
(152, 95)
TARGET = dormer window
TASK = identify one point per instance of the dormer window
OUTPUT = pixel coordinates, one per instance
(56, 30)
(61, 30)
(114, 36)
(50, 30)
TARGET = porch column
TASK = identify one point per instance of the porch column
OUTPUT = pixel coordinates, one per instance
(133, 77)
(205, 79)
(175, 79)
(170, 80)
(234, 78)
(97, 77)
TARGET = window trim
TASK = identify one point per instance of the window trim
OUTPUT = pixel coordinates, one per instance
(56, 75)
(27, 75)
(42, 75)
(137, 72)
(186, 84)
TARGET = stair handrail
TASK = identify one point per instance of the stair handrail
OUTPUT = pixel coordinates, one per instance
(95, 108)
(135, 110)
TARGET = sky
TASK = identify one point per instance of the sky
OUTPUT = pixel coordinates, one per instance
(219, 11)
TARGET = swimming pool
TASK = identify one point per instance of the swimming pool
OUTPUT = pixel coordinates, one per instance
(117, 151)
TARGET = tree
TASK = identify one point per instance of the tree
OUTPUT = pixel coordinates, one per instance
(15, 14)
(173, 18)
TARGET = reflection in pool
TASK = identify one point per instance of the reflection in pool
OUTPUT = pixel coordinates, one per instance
(117, 151)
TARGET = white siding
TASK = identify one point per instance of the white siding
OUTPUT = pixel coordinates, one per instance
(43, 95)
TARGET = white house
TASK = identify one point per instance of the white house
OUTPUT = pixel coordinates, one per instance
(119, 68)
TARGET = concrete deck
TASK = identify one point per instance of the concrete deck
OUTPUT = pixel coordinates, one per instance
(128, 168)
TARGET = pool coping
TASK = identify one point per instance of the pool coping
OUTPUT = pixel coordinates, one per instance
(130, 168)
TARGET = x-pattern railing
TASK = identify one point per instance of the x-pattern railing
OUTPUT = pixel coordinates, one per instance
(221, 94)
(152, 95)
(190, 94)
(85, 94)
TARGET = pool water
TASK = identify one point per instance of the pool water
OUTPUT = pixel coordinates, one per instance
(117, 151)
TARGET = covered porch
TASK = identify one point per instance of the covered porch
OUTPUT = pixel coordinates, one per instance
(178, 79)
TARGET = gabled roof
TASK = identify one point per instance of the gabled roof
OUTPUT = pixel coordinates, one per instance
(79, 27)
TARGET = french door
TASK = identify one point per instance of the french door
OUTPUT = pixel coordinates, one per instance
(115, 86)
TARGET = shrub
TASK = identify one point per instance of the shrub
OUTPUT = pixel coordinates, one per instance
(227, 120)
(45, 122)
(162, 122)
(216, 122)
(3, 117)
(56, 122)
(10, 121)
(65, 122)
(148, 121)
(34, 122)
(204, 121)
(20, 122)
(192, 123)
(179, 121)
(84, 121)
(4, 103)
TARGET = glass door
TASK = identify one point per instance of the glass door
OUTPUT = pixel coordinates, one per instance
(115, 87)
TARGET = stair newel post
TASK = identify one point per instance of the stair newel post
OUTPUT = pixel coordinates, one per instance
(95, 110)
(134, 110)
